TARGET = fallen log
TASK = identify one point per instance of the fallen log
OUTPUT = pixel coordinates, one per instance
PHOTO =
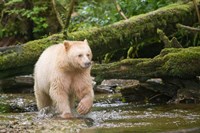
(171, 62)
(116, 36)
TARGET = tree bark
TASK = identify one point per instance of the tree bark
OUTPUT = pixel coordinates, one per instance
(116, 36)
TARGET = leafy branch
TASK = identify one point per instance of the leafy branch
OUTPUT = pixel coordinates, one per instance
(71, 8)
(57, 14)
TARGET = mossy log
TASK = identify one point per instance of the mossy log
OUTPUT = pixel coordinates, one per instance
(171, 62)
(137, 29)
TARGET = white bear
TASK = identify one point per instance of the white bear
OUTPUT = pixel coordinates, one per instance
(61, 74)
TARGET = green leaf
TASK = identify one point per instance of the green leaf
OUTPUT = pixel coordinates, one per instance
(45, 25)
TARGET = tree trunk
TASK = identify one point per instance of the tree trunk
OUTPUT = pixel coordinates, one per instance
(116, 36)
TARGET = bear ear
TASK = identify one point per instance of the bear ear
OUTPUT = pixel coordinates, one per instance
(66, 44)
(85, 41)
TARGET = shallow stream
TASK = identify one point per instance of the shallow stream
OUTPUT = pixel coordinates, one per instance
(109, 115)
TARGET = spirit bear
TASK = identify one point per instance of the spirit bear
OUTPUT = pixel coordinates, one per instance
(62, 74)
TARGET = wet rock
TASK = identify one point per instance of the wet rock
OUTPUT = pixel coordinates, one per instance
(151, 91)
(120, 82)
(158, 90)
(188, 96)
(114, 85)
(104, 89)
(17, 103)
(3, 130)
(155, 80)
(18, 84)
(188, 92)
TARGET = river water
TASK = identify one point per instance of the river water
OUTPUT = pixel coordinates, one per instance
(109, 115)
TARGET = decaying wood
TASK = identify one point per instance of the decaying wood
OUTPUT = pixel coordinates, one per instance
(173, 43)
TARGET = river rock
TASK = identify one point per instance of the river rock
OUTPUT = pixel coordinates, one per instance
(111, 85)
(169, 90)
(151, 91)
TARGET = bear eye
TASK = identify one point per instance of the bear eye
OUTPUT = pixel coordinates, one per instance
(88, 55)
(80, 55)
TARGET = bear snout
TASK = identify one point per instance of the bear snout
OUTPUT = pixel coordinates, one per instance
(87, 64)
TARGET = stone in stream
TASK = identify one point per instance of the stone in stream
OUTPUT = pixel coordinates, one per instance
(157, 90)
(112, 85)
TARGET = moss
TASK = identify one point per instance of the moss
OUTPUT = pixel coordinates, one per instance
(28, 53)
(181, 62)
(184, 63)
(137, 29)
(6, 59)
(175, 62)
(4, 108)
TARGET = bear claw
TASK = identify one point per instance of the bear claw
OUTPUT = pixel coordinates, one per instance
(82, 109)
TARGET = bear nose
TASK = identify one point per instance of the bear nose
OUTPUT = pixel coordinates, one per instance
(87, 64)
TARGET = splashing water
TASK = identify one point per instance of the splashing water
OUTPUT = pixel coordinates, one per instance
(109, 115)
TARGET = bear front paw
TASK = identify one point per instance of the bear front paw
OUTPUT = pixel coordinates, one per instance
(84, 107)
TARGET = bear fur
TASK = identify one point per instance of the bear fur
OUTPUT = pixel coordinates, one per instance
(61, 74)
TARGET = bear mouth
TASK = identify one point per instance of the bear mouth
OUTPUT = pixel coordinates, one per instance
(86, 65)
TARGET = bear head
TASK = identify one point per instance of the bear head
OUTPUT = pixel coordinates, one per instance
(79, 54)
